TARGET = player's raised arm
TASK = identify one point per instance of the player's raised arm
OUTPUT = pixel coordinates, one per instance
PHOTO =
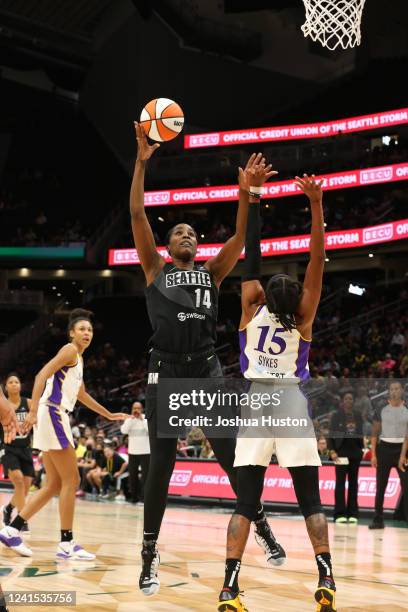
(252, 292)
(145, 244)
(254, 175)
(312, 285)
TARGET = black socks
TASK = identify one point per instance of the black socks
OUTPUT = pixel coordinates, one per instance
(232, 568)
(324, 566)
(18, 522)
(66, 535)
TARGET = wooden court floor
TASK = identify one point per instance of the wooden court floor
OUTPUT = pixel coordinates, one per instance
(371, 568)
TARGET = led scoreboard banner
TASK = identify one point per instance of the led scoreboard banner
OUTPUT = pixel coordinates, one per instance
(300, 131)
(229, 193)
(289, 245)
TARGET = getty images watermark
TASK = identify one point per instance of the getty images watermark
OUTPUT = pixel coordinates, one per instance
(232, 407)
(252, 402)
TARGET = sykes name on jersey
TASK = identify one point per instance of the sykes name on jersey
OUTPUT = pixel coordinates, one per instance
(269, 351)
(188, 277)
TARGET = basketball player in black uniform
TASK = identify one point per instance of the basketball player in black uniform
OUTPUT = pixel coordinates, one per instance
(182, 302)
(17, 458)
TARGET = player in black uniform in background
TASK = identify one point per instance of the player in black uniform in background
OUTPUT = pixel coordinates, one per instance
(182, 302)
(17, 458)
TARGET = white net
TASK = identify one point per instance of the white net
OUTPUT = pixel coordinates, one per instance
(334, 22)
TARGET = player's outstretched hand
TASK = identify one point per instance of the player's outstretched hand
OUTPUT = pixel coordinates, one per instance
(144, 149)
(10, 425)
(255, 173)
(310, 187)
(119, 416)
(30, 420)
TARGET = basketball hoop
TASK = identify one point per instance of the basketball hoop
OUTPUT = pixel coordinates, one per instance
(334, 22)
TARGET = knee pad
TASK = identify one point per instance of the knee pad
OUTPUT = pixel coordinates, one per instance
(247, 510)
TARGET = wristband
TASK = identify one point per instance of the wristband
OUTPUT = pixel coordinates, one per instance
(255, 189)
(254, 195)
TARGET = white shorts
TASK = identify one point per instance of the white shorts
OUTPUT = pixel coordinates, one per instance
(293, 444)
(290, 452)
(53, 429)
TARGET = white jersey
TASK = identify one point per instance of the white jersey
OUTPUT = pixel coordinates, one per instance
(62, 388)
(269, 351)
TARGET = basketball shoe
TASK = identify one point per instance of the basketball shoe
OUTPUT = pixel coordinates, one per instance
(229, 601)
(275, 554)
(325, 596)
(73, 551)
(10, 537)
(149, 583)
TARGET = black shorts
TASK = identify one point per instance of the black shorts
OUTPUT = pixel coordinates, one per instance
(18, 458)
(165, 365)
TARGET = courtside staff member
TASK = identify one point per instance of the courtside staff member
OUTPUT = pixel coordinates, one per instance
(389, 429)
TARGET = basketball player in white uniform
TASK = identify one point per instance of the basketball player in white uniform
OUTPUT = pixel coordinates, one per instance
(275, 336)
(57, 387)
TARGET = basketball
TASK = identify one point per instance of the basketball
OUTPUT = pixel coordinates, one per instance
(162, 119)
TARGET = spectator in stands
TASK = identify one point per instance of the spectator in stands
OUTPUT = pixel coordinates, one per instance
(389, 429)
(346, 451)
(397, 341)
(181, 448)
(80, 446)
(322, 448)
(195, 438)
(94, 476)
(206, 450)
(404, 365)
(86, 463)
(138, 450)
(387, 364)
(115, 467)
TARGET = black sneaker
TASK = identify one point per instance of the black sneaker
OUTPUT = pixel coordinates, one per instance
(377, 524)
(149, 583)
(6, 515)
(275, 554)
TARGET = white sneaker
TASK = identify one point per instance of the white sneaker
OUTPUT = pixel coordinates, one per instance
(11, 538)
(149, 582)
(71, 550)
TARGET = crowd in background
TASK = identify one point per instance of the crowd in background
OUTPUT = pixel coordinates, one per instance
(36, 211)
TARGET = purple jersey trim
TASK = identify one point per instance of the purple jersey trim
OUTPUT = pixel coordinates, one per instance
(302, 358)
(243, 359)
(55, 416)
(56, 393)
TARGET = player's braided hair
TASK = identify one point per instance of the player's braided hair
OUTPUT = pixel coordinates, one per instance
(282, 298)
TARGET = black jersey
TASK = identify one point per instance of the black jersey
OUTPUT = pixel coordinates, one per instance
(20, 441)
(183, 309)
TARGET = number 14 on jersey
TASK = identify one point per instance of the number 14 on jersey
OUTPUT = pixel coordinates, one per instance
(203, 297)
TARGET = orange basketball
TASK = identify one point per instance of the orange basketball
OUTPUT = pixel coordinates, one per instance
(162, 119)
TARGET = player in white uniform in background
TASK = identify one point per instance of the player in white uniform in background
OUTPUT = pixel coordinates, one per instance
(275, 336)
(57, 387)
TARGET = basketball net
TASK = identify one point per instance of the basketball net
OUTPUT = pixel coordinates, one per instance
(334, 22)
